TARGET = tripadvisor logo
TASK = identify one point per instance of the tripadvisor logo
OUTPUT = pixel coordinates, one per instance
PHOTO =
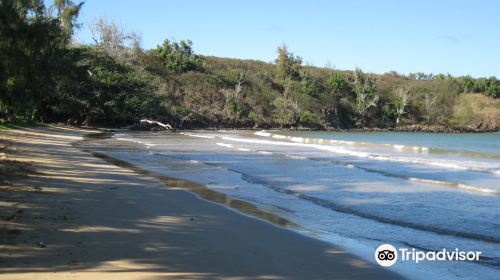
(387, 255)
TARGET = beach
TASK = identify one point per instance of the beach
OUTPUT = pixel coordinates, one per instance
(355, 190)
(67, 214)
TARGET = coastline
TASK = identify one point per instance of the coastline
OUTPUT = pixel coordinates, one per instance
(70, 214)
(407, 128)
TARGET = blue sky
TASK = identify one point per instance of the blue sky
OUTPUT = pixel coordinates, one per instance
(456, 37)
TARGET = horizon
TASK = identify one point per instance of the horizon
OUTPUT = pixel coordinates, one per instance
(452, 37)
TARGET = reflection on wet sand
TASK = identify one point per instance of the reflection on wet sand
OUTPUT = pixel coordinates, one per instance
(199, 189)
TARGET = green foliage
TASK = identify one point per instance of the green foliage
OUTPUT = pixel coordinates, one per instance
(338, 83)
(237, 107)
(398, 103)
(32, 47)
(287, 65)
(307, 118)
(284, 111)
(255, 118)
(365, 88)
(477, 109)
(116, 82)
(179, 56)
(101, 89)
(310, 86)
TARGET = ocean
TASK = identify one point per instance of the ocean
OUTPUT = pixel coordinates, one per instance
(356, 190)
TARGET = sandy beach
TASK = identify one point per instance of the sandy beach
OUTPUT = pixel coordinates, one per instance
(66, 214)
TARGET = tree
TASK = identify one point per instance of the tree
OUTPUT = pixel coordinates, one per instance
(430, 102)
(287, 65)
(310, 85)
(307, 118)
(33, 40)
(400, 102)
(284, 111)
(67, 13)
(240, 80)
(335, 98)
(110, 37)
(365, 88)
(338, 83)
(467, 84)
(179, 56)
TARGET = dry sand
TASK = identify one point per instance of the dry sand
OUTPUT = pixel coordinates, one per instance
(65, 214)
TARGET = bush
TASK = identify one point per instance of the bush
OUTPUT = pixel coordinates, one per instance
(477, 110)
(307, 118)
(284, 111)
(179, 56)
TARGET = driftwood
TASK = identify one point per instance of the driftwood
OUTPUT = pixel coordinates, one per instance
(151, 125)
(165, 126)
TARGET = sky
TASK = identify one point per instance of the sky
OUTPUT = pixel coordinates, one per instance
(457, 37)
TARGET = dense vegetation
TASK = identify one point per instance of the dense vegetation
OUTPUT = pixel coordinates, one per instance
(43, 76)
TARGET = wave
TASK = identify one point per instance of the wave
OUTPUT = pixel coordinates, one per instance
(198, 135)
(449, 164)
(397, 147)
(363, 214)
(299, 141)
(348, 210)
(224, 145)
(383, 173)
(460, 165)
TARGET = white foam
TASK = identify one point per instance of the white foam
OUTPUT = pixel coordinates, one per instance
(296, 157)
(224, 145)
(263, 133)
(460, 186)
(342, 142)
(281, 143)
(449, 164)
(277, 136)
(297, 139)
(199, 135)
(399, 147)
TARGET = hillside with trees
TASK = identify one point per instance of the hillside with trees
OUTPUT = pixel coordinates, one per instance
(44, 76)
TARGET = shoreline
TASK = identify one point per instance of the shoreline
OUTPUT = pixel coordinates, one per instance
(404, 129)
(81, 217)
(438, 129)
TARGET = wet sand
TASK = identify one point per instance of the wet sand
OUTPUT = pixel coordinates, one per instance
(65, 213)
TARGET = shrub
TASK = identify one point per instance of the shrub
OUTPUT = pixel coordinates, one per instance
(179, 56)
(477, 110)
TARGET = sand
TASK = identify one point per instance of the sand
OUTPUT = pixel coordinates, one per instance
(65, 214)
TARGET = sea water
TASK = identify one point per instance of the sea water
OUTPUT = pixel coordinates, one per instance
(356, 190)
